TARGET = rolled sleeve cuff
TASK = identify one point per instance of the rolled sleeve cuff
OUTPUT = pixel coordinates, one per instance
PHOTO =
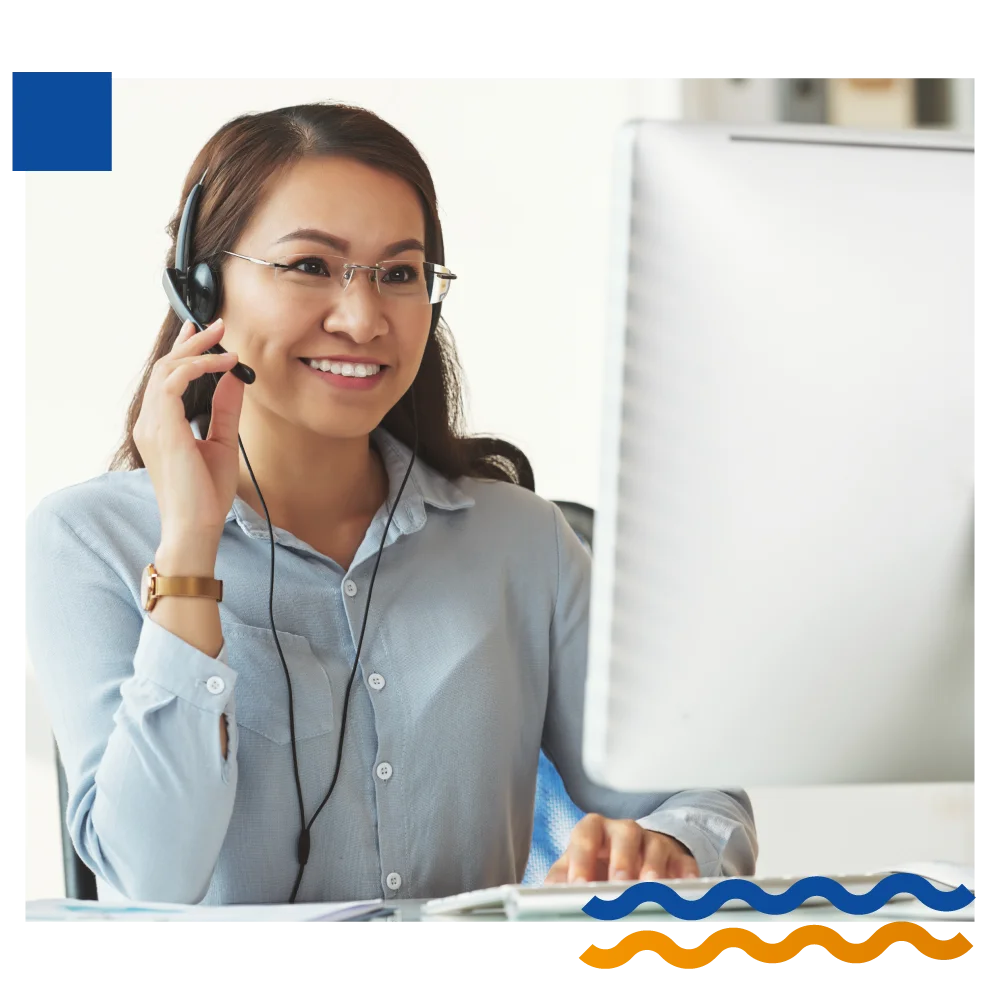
(166, 660)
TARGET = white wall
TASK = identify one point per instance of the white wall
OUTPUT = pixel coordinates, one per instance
(963, 104)
(523, 172)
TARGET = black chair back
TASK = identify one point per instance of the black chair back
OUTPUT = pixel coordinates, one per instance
(580, 518)
(80, 880)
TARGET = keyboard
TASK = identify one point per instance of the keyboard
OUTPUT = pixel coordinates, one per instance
(567, 899)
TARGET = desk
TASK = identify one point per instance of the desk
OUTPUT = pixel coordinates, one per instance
(409, 910)
(554, 938)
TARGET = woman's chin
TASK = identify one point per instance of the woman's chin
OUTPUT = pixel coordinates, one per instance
(343, 425)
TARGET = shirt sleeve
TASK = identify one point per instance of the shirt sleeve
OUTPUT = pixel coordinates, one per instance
(715, 825)
(135, 711)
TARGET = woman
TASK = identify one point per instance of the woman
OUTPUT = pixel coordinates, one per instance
(189, 780)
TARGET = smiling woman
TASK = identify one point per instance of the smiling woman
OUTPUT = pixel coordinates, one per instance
(214, 747)
(302, 165)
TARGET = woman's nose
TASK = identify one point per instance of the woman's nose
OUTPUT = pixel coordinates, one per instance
(357, 310)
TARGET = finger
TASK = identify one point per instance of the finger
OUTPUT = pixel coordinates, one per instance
(585, 844)
(198, 341)
(682, 865)
(227, 402)
(559, 871)
(187, 328)
(657, 852)
(183, 371)
(626, 850)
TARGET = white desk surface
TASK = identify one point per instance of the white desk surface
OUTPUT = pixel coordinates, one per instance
(410, 910)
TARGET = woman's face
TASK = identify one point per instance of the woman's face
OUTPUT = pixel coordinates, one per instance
(331, 206)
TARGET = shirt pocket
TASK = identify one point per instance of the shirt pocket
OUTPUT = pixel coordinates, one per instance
(262, 691)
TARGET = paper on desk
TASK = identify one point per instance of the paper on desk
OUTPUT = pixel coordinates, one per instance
(81, 909)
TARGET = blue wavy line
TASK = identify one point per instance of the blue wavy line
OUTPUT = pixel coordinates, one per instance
(784, 902)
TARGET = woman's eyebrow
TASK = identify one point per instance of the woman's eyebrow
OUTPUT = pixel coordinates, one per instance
(344, 246)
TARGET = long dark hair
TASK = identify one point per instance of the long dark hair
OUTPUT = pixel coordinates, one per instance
(239, 160)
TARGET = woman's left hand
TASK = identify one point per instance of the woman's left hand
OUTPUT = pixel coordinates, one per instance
(606, 850)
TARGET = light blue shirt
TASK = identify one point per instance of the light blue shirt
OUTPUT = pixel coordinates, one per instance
(474, 657)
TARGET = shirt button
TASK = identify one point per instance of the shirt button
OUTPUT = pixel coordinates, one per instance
(376, 682)
(384, 771)
(393, 880)
(215, 685)
(350, 588)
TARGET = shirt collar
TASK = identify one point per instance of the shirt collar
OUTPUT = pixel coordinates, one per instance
(425, 487)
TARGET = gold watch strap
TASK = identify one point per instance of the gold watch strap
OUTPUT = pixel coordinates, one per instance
(187, 586)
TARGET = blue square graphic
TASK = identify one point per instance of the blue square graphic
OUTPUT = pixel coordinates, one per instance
(62, 121)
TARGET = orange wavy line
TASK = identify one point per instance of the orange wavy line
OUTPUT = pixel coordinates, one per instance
(779, 951)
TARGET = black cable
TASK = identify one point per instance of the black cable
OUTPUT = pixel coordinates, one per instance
(304, 836)
(274, 632)
(303, 846)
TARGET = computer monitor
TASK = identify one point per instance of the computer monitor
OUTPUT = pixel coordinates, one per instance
(782, 588)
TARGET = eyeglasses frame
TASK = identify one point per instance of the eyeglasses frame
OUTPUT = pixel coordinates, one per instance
(349, 269)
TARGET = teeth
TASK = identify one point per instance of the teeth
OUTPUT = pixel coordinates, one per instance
(345, 368)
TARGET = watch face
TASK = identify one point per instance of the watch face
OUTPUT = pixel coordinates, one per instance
(144, 586)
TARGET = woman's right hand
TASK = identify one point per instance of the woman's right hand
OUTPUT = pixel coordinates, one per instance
(194, 481)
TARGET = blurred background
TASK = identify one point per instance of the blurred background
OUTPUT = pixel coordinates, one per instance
(522, 168)
(875, 100)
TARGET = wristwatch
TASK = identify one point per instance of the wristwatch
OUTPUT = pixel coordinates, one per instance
(154, 586)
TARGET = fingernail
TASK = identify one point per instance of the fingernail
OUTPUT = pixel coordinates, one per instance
(215, 324)
(621, 875)
(650, 874)
(578, 878)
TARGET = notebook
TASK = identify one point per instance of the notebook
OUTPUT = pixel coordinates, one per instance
(567, 900)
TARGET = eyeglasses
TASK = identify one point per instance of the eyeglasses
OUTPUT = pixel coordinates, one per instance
(418, 282)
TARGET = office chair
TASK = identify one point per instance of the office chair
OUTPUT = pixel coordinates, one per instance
(80, 880)
(555, 812)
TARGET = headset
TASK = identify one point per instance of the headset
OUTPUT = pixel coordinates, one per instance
(194, 292)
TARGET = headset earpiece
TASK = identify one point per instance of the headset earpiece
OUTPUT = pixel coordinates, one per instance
(197, 286)
(202, 287)
(195, 292)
